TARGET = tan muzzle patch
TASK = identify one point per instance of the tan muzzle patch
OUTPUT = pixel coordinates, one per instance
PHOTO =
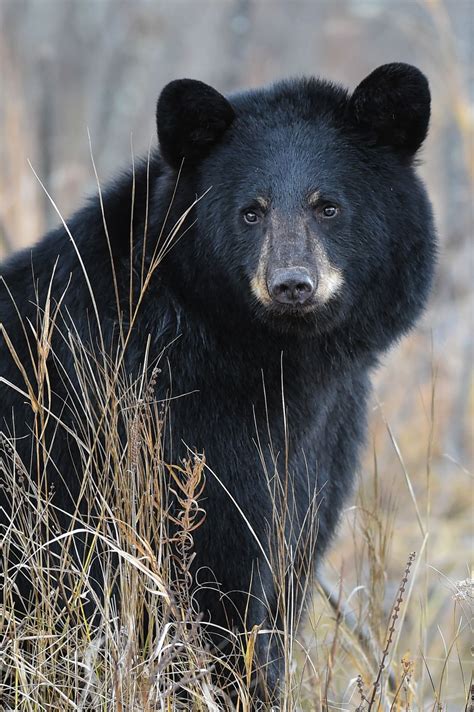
(258, 283)
(330, 278)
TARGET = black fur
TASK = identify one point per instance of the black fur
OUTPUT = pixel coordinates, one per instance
(192, 117)
(283, 142)
(393, 103)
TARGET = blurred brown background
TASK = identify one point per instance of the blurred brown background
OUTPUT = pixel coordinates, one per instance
(66, 66)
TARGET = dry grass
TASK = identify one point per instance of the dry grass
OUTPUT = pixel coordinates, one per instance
(429, 660)
(353, 654)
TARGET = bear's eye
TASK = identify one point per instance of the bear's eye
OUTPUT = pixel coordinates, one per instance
(250, 217)
(329, 211)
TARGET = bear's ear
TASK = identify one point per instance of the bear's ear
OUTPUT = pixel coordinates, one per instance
(393, 105)
(191, 117)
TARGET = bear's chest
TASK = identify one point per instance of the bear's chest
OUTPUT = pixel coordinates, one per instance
(268, 413)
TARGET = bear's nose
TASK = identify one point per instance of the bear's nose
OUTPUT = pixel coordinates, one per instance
(291, 285)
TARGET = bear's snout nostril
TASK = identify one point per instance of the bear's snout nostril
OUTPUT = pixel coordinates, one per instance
(292, 285)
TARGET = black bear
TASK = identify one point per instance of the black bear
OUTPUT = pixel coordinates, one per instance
(304, 248)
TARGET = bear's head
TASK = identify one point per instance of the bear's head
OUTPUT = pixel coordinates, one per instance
(309, 216)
